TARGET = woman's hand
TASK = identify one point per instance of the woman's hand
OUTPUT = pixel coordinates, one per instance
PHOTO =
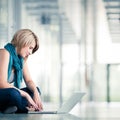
(31, 103)
(38, 101)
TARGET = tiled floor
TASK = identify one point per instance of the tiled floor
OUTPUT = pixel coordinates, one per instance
(91, 111)
(98, 111)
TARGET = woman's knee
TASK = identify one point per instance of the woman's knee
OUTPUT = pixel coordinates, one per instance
(14, 94)
(39, 90)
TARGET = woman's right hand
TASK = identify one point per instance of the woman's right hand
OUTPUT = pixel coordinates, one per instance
(31, 103)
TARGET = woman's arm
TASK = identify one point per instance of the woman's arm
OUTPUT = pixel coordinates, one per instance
(31, 85)
(4, 61)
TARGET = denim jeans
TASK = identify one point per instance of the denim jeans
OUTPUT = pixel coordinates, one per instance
(12, 97)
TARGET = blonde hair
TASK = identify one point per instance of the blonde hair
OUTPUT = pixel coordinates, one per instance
(25, 37)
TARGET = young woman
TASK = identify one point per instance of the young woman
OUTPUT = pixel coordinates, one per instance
(13, 68)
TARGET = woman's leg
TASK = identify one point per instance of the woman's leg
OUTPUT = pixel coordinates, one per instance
(26, 89)
(11, 97)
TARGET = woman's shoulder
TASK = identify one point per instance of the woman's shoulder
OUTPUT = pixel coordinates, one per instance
(4, 52)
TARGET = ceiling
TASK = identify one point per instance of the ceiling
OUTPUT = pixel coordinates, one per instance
(113, 16)
(47, 12)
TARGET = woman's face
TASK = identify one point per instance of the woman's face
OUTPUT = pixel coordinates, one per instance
(27, 50)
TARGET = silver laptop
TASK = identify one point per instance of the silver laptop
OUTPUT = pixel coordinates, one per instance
(66, 107)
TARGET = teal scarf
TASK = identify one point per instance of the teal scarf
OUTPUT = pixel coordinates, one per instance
(15, 62)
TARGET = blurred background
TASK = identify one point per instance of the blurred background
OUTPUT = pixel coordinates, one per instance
(79, 46)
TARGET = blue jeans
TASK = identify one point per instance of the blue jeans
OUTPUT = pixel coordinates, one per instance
(12, 97)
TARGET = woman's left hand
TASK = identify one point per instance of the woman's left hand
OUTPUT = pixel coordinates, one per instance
(38, 101)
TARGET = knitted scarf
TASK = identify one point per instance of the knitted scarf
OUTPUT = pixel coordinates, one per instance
(15, 62)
